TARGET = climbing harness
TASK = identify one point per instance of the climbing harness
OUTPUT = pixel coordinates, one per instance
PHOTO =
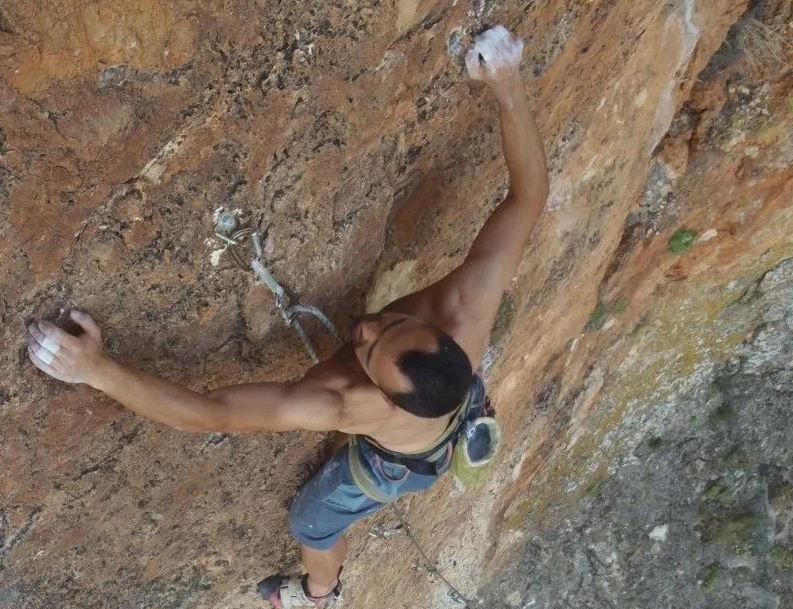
(429, 462)
(467, 447)
(285, 301)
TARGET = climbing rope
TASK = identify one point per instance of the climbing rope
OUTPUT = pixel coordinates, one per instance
(431, 565)
(285, 301)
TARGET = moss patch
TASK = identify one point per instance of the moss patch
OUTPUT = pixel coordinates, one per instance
(711, 578)
(682, 241)
(594, 486)
(781, 557)
(717, 492)
(736, 460)
(620, 306)
(736, 535)
(603, 310)
(503, 321)
(597, 318)
(725, 412)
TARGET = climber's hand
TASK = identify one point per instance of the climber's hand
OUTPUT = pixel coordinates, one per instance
(495, 57)
(73, 359)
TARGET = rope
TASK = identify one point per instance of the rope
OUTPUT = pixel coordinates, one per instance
(432, 567)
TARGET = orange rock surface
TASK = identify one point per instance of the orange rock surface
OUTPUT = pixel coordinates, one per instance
(350, 132)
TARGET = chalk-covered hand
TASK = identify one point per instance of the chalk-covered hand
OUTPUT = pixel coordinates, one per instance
(495, 56)
(73, 359)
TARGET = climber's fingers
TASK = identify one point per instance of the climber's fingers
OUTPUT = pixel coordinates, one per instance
(494, 51)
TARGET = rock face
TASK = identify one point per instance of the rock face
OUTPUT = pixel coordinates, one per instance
(642, 376)
(696, 507)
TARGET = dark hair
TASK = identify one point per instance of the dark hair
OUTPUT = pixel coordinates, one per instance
(440, 379)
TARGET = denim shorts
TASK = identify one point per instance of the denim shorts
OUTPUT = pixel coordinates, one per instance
(331, 501)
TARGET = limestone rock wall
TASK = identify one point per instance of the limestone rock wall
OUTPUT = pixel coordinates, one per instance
(350, 132)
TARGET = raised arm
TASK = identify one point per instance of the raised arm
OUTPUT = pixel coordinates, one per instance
(495, 59)
(240, 408)
(465, 302)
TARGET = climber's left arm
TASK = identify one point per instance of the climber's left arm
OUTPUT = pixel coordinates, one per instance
(308, 404)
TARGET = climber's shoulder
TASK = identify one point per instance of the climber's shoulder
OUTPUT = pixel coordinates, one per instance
(459, 313)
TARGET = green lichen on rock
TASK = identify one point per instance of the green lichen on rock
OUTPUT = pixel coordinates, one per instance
(597, 318)
(682, 241)
(596, 483)
(711, 578)
(503, 322)
(737, 535)
(717, 492)
(602, 312)
(725, 412)
(620, 306)
(781, 557)
(736, 460)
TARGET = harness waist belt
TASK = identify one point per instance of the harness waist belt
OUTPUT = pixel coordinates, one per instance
(427, 466)
(425, 462)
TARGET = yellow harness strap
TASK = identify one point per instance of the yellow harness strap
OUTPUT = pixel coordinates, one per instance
(361, 474)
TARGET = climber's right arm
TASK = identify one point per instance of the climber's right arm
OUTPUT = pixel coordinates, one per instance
(466, 301)
(239, 408)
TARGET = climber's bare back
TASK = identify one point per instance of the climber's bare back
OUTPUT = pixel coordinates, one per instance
(366, 409)
(463, 305)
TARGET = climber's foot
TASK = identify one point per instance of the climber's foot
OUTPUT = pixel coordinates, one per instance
(285, 592)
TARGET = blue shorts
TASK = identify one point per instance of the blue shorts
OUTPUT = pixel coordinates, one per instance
(331, 501)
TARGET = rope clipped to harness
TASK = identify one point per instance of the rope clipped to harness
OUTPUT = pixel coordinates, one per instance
(286, 303)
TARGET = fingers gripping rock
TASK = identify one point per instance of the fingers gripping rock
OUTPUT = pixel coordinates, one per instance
(86, 322)
(50, 344)
(66, 357)
(493, 50)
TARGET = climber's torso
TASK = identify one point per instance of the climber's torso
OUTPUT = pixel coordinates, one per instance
(367, 411)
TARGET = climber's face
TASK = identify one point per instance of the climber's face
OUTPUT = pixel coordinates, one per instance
(380, 339)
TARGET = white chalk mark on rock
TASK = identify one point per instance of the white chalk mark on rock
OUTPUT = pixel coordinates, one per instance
(659, 533)
(214, 257)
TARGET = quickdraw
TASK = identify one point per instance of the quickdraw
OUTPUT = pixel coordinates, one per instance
(285, 301)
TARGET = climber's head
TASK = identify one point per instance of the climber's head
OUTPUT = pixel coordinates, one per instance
(418, 367)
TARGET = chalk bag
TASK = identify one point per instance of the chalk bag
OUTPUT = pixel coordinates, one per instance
(475, 450)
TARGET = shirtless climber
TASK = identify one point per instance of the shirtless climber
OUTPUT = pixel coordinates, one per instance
(400, 387)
